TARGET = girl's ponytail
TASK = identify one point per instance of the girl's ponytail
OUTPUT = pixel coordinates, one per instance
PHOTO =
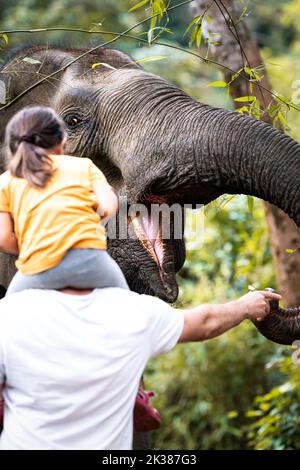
(29, 134)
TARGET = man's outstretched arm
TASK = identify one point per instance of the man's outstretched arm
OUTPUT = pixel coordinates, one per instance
(210, 320)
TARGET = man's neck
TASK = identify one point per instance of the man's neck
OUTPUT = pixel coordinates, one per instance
(76, 291)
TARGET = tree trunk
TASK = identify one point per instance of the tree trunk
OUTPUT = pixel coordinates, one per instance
(237, 49)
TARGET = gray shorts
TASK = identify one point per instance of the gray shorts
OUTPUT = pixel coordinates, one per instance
(80, 268)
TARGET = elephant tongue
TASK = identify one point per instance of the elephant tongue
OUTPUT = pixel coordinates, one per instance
(149, 235)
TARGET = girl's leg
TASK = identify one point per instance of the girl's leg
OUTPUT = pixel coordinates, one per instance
(80, 268)
(21, 282)
(92, 268)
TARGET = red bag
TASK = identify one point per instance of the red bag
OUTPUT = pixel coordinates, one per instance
(145, 417)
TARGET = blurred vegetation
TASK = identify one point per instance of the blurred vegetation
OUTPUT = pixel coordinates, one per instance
(238, 391)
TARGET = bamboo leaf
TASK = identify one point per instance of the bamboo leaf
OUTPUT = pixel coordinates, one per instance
(244, 99)
(32, 61)
(248, 71)
(4, 37)
(98, 64)
(226, 200)
(219, 84)
(243, 109)
(250, 201)
(281, 118)
(150, 59)
(194, 21)
(199, 36)
(139, 5)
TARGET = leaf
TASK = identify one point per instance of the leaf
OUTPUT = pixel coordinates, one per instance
(248, 71)
(32, 61)
(98, 64)
(250, 201)
(244, 99)
(243, 109)
(151, 59)
(138, 5)
(281, 118)
(253, 413)
(4, 37)
(272, 111)
(150, 35)
(197, 33)
(226, 200)
(199, 36)
(274, 64)
(232, 414)
(158, 10)
(289, 250)
(252, 73)
(194, 21)
(218, 84)
(159, 7)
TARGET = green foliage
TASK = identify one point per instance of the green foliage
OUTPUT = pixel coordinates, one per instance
(157, 10)
(204, 390)
(196, 26)
(230, 255)
(276, 414)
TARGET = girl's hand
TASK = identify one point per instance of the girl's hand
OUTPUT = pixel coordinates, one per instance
(107, 200)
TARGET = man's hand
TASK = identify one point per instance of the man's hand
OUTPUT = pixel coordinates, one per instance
(256, 305)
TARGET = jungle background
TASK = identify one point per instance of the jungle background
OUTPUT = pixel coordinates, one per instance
(239, 391)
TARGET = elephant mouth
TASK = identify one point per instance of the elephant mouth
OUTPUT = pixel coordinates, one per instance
(150, 237)
(160, 277)
(156, 231)
(164, 249)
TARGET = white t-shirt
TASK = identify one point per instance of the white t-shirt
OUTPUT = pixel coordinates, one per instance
(71, 365)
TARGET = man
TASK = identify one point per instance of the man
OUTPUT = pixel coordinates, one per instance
(70, 362)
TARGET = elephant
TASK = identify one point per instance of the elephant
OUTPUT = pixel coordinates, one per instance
(155, 144)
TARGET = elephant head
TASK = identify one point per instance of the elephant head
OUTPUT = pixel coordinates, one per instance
(155, 144)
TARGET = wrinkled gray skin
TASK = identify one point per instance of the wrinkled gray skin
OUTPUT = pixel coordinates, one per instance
(156, 144)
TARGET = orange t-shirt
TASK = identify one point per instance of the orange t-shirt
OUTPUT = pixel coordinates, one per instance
(49, 221)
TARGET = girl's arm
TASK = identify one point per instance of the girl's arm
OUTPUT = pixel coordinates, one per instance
(8, 240)
(107, 199)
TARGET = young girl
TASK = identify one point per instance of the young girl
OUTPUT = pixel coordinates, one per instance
(48, 218)
(49, 204)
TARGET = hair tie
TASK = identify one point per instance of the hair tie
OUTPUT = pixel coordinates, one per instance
(26, 138)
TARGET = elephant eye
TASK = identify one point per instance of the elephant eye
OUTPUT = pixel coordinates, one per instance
(73, 120)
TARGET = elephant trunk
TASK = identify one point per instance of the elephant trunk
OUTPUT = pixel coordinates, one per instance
(255, 159)
(195, 153)
(282, 325)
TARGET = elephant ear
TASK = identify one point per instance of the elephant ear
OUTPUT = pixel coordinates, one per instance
(31, 64)
(23, 71)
